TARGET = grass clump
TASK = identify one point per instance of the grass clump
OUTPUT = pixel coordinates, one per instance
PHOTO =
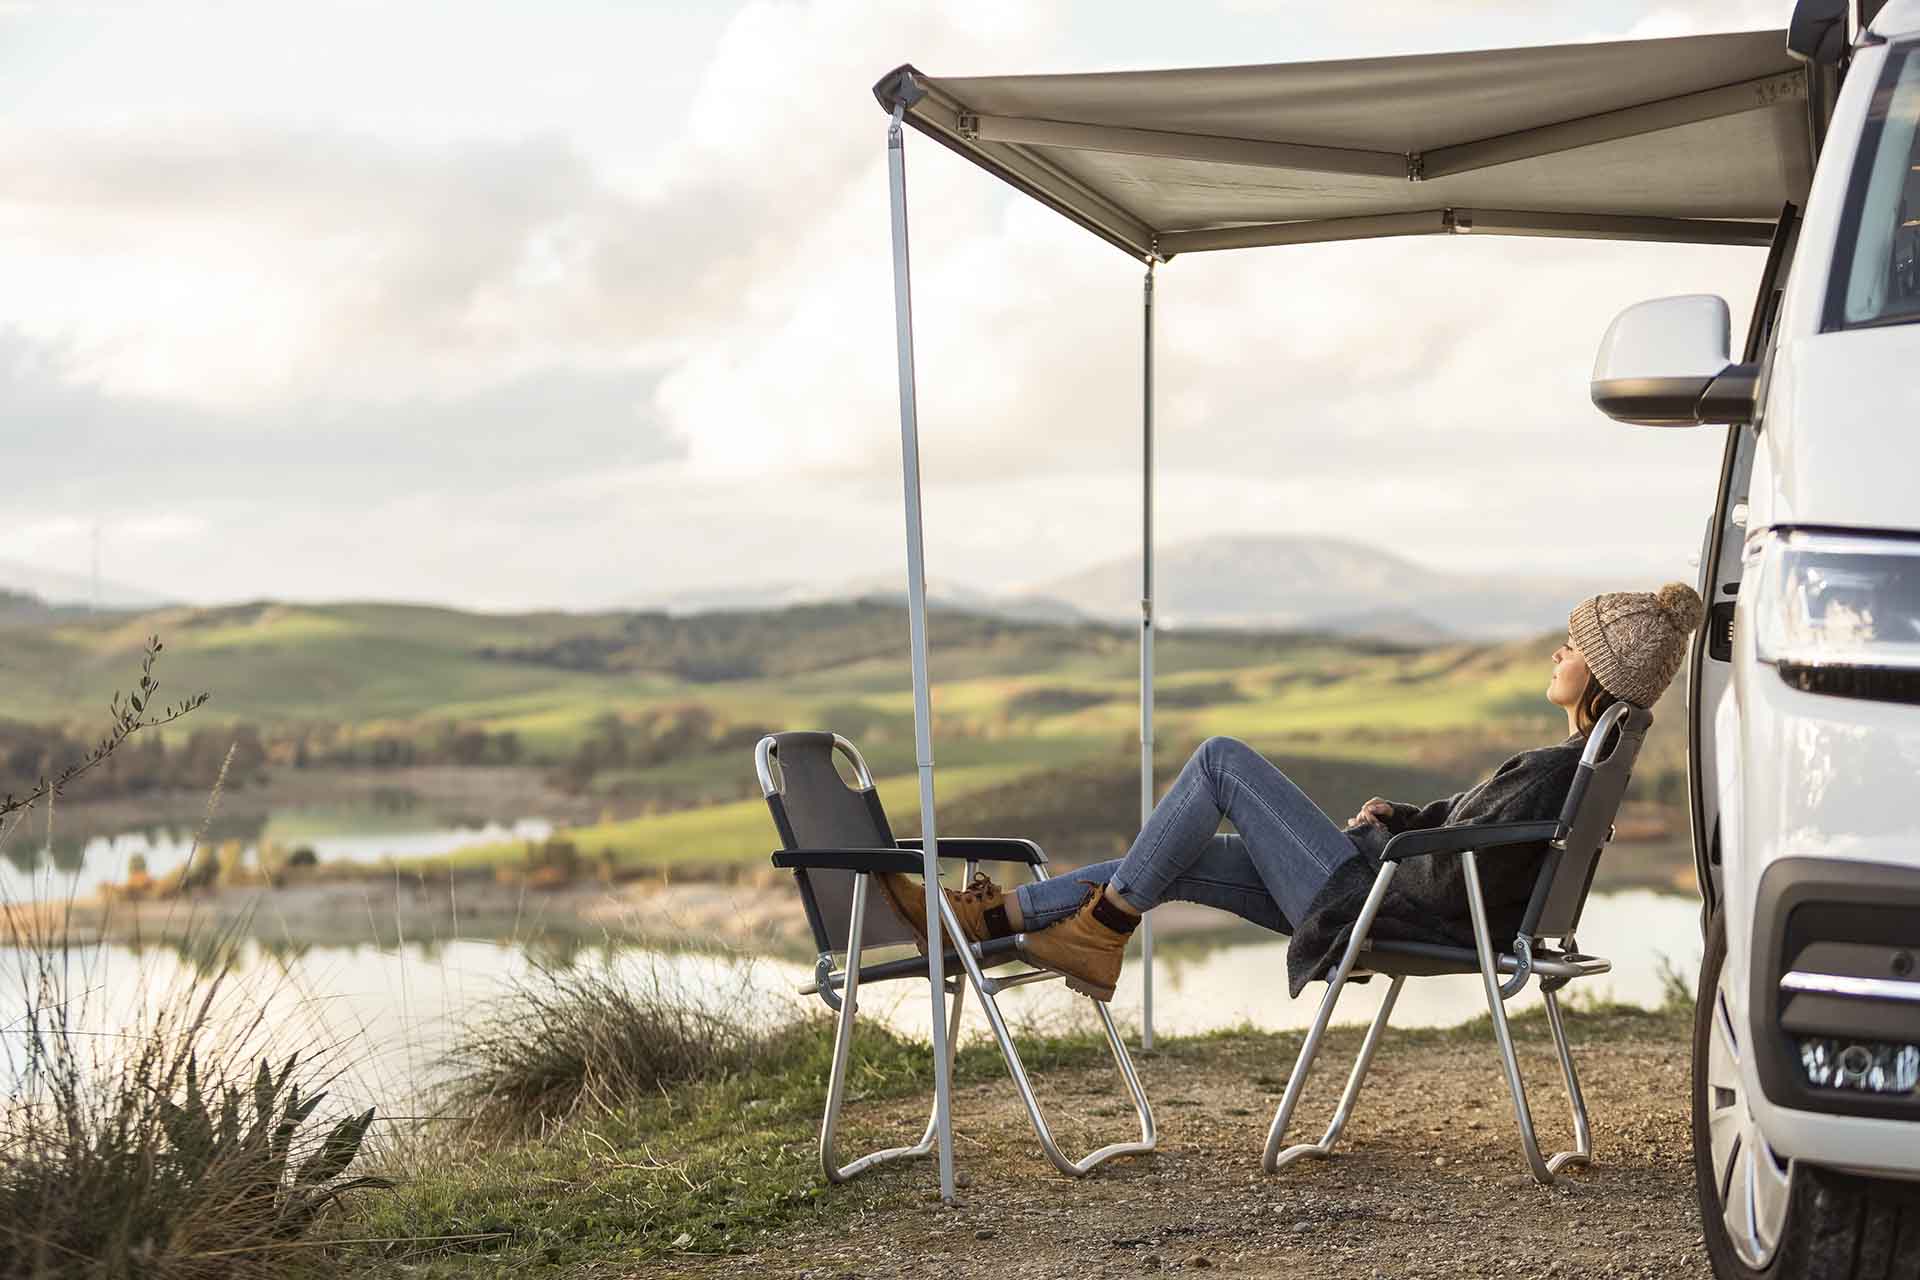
(563, 1042)
(618, 1114)
(153, 1150)
(140, 1141)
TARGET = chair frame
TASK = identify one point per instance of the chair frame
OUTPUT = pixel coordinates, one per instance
(838, 986)
(1527, 958)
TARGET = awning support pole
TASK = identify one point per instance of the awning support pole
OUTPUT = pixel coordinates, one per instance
(1146, 641)
(917, 641)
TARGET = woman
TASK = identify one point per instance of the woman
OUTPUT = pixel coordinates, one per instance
(1290, 868)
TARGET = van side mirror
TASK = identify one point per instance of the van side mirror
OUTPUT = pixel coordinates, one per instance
(1664, 364)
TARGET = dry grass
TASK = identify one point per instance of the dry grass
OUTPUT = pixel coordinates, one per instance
(565, 1042)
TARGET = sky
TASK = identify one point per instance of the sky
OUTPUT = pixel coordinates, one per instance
(583, 303)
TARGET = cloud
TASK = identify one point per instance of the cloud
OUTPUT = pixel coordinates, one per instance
(224, 487)
(348, 357)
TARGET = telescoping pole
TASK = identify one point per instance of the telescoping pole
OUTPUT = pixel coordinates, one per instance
(917, 641)
(1146, 643)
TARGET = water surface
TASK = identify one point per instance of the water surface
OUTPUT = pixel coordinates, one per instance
(383, 1015)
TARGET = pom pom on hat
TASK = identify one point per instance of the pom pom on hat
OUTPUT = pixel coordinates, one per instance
(1682, 605)
(1635, 641)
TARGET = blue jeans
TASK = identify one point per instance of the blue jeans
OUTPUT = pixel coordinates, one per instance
(1269, 873)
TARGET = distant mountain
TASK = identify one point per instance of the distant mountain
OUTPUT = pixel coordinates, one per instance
(886, 590)
(1320, 583)
(1248, 581)
(55, 588)
(19, 606)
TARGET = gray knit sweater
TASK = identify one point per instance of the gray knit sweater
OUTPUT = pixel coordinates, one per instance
(1427, 901)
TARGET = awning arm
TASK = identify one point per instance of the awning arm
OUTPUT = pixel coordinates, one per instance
(1251, 152)
(1648, 117)
(1607, 126)
(1497, 222)
(938, 116)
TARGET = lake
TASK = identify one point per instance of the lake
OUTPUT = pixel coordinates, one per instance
(383, 1015)
(31, 866)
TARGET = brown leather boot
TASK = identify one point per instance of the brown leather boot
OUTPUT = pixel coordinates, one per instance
(981, 908)
(1086, 947)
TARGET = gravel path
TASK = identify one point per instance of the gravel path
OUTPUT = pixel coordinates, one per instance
(1428, 1179)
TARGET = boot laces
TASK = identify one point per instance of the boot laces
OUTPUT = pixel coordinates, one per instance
(980, 888)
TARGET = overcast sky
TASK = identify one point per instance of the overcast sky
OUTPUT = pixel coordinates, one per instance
(517, 304)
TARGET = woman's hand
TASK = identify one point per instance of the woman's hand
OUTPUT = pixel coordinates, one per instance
(1376, 811)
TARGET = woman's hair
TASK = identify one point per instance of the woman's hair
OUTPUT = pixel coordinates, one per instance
(1594, 701)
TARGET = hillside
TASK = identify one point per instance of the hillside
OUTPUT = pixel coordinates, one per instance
(653, 717)
(1249, 581)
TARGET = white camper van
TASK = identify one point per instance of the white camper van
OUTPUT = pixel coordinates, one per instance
(1804, 690)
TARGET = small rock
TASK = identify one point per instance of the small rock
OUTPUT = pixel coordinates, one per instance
(1301, 1228)
(985, 1233)
(1439, 1162)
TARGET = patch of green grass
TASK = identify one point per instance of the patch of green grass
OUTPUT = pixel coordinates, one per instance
(711, 1167)
(722, 1165)
(736, 831)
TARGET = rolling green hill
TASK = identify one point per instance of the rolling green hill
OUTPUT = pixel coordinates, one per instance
(1036, 725)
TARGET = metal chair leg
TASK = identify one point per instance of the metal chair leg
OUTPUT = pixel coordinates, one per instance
(1496, 1007)
(1362, 1061)
(1273, 1158)
(843, 1051)
(1582, 1153)
(1017, 1070)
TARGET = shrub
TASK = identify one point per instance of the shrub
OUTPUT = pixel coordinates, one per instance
(144, 1146)
(152, 1151)
(563, 1042)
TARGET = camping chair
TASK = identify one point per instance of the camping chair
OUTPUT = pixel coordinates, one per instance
(834, 837)
(1574, 843)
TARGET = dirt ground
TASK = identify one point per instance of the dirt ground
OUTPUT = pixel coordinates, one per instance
(1428, 1180)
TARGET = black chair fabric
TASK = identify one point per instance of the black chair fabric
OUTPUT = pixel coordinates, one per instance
(815, 809)
(1593, 802)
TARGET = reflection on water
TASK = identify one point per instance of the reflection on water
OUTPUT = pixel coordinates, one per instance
(385, 1014)
(31, 866)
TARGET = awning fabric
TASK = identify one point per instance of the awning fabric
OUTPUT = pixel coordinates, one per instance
(1695, 139)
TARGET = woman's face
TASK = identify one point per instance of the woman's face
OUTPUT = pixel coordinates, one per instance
(1569, 676)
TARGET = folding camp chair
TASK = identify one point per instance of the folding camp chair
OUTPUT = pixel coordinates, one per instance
(1574, 843)
(834, 839)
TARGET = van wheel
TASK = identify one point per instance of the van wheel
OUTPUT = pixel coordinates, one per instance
(1765, 1217)
(1744, 1188)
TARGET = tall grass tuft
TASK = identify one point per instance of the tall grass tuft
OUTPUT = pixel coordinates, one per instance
(159, 1145)
(147, 1138)
(560, 1043)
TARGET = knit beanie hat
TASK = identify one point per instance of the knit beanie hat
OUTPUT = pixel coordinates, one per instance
(1635, 641)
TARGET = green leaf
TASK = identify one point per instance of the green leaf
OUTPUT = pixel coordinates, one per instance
(342, 1144)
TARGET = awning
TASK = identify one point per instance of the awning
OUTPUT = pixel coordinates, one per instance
(1698, 139)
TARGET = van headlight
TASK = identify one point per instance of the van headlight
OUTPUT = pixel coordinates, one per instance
(1837, 613)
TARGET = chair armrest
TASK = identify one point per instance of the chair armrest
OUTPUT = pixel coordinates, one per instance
(984, 849)
(848, 860)
(1464, 836)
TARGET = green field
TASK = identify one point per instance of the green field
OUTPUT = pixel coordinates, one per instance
(1036, 726)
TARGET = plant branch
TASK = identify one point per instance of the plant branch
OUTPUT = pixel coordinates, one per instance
(130, 715)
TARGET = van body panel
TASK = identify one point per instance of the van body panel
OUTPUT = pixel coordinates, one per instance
(1812, 775)
(1806, 296)
(1842, 433)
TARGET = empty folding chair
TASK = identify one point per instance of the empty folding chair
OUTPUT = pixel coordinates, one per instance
(1574, 843)
(834, 838)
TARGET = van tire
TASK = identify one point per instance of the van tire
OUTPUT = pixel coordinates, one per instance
(1837, 1226)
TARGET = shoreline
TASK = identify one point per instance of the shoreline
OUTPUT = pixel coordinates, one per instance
(729, 905)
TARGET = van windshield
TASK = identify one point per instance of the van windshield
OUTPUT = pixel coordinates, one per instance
(1878, 259)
